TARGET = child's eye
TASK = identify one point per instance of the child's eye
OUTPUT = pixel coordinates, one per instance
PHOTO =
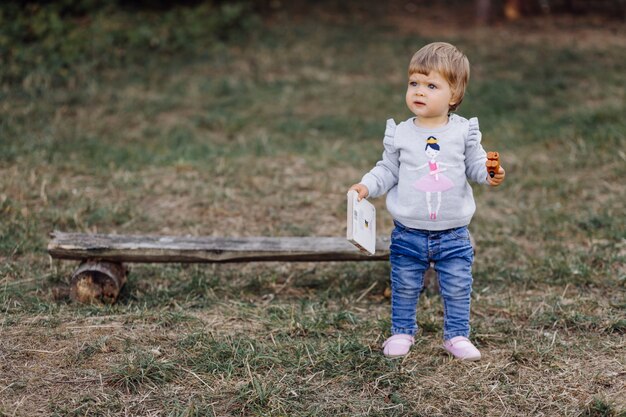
(413, 84)
(432, 86)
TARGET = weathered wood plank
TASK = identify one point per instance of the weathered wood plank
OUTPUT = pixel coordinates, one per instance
(175, 249)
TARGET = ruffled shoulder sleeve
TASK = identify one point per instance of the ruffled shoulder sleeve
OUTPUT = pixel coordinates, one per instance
(473, 136)
(384, 175)
(390, 134)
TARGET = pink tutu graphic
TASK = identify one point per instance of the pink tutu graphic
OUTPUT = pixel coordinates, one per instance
(434, 181)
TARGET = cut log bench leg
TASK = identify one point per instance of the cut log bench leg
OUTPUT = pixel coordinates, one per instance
(98, 282)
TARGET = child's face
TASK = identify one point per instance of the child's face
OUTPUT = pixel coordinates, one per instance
(429, 97)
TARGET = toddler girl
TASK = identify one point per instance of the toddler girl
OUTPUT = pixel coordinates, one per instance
(425, 167)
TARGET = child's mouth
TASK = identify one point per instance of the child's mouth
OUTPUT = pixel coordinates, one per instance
(419, 103)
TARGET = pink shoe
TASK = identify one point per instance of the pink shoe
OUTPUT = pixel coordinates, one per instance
(397, 345)
(461, 348)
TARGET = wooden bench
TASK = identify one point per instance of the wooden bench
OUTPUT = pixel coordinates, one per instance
(102, 272)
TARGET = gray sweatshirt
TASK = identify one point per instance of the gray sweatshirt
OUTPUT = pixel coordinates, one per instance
(425, 173)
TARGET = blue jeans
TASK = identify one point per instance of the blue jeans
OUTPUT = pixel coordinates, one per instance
(412, 250)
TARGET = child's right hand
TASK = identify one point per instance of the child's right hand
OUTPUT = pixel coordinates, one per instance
(361, 189)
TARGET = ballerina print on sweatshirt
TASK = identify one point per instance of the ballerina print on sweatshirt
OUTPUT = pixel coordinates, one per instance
(434, 181)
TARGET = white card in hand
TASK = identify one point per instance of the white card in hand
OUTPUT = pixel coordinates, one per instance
(361, 229)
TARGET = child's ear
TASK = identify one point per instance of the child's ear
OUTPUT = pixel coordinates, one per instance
(453, 98)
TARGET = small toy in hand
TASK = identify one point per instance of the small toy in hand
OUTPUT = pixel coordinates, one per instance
(493, 163)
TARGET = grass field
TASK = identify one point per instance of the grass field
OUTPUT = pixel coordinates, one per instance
(262, 136)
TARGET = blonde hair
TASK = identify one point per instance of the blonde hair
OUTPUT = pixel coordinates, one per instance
(446, 59)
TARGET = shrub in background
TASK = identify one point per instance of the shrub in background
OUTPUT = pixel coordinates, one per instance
(43, 44)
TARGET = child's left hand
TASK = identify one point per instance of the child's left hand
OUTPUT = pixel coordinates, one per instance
(497, 179)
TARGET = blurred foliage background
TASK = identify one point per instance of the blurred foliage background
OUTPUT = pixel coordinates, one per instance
(45, 43)
(50, 43)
